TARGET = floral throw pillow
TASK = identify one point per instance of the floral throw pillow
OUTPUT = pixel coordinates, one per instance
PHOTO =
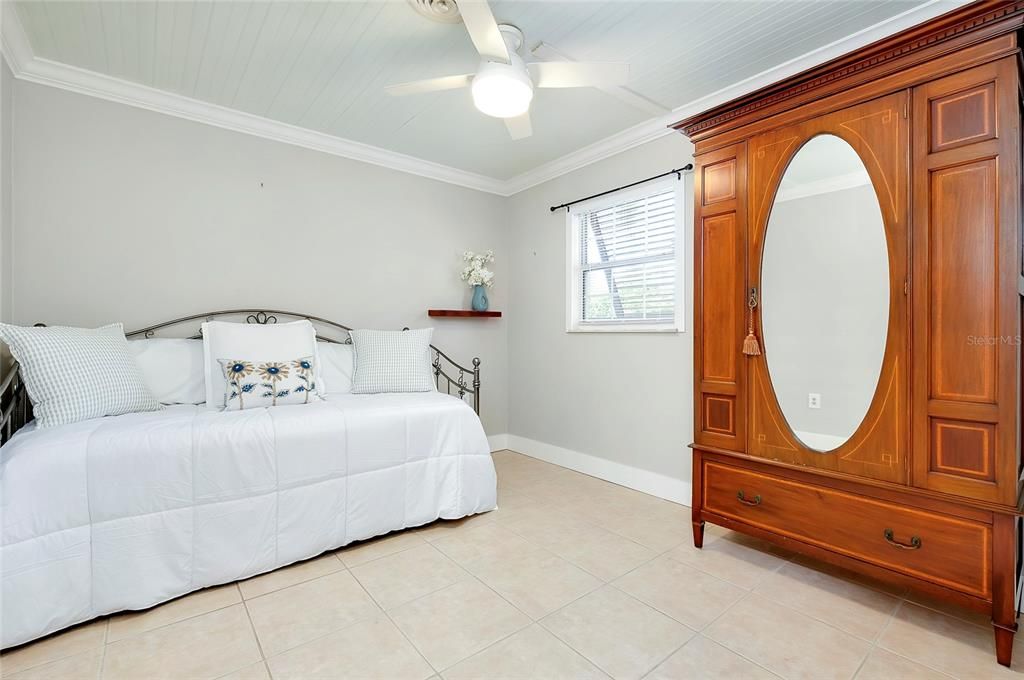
(257, 384)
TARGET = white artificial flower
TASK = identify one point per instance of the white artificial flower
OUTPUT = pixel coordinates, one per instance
(476, 273)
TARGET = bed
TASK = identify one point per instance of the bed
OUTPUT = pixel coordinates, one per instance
(126, 512)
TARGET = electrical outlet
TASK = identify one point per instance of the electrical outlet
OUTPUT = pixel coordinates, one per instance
(813, 400)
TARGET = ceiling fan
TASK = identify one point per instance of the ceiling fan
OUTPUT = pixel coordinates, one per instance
(503, 83)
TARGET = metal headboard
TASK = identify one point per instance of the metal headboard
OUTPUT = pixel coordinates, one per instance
(16, 409)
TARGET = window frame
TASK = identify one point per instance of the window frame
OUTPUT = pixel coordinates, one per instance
(573, 303)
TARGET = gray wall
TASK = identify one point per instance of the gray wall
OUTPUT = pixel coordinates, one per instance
(121, 214)
(625, 397)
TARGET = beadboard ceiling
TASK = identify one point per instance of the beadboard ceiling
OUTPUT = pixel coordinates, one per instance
(323, 66)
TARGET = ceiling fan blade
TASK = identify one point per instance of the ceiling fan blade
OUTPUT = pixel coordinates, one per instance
(430, 85)
(483, 30)
(578, 73)
(623, 94)
(520, 126)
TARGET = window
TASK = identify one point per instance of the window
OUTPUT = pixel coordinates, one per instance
(625, 255)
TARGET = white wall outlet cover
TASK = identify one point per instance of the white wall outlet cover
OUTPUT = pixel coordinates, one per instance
(813, 400)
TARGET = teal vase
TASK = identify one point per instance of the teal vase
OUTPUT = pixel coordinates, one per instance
(480, 301)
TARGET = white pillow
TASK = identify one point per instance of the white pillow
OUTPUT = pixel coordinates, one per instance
(254, 342)
(392, 361)
(172, 368)
(337, 363)
(75, 374)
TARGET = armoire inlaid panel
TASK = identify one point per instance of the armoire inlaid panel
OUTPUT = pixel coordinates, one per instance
(720, 414)
(719, 181)
(963, 117)
(963, 449)
(721, 243)
(963, 268)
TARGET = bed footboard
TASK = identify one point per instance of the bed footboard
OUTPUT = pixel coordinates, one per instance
(453, 375)
(15, 407)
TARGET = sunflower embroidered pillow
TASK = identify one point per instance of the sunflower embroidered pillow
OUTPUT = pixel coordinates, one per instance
(256, 344)
(257, 384)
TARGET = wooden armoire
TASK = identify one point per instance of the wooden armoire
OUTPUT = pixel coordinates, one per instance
(924, 489)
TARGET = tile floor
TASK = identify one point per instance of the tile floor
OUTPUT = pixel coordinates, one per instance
(572, 577)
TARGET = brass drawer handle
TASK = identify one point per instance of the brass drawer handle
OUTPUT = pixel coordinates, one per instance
(915, 541)
(743, 499)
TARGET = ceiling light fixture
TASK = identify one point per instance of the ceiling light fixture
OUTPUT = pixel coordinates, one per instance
(502, 90)
(503, 85)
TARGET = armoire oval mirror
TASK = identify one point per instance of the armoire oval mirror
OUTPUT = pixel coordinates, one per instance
(825, 293)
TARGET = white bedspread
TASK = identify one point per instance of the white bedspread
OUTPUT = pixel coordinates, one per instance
(126, 512)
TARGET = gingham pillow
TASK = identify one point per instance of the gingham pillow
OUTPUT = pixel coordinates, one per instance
(392, 361)
(74, 374)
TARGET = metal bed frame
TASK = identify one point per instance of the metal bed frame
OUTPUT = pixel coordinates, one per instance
(16, 409)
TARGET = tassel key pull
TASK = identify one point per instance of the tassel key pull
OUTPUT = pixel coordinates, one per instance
(751, 348)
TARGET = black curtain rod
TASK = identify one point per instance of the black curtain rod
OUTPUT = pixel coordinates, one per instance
(678, 173)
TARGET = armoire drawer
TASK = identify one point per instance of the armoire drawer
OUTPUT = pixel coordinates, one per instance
(946, 550)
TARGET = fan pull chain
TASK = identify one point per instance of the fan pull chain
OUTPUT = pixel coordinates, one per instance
(751, 348)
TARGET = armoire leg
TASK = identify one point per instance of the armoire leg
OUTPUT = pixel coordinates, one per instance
(1004, 584)
(697, 500)
(698, 534)
(1004, 643)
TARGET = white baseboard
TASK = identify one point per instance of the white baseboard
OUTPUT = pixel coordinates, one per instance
(662, 486)
(498, 442)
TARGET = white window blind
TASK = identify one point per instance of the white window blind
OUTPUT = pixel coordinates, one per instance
(626, 262)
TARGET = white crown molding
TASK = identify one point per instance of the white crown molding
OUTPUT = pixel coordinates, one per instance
(660, 126)
(610, 146)
(18, 53)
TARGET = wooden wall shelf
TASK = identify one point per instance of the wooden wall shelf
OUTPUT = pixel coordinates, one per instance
(466, 313)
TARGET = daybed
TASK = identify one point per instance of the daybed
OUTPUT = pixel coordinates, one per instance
(126, 512)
